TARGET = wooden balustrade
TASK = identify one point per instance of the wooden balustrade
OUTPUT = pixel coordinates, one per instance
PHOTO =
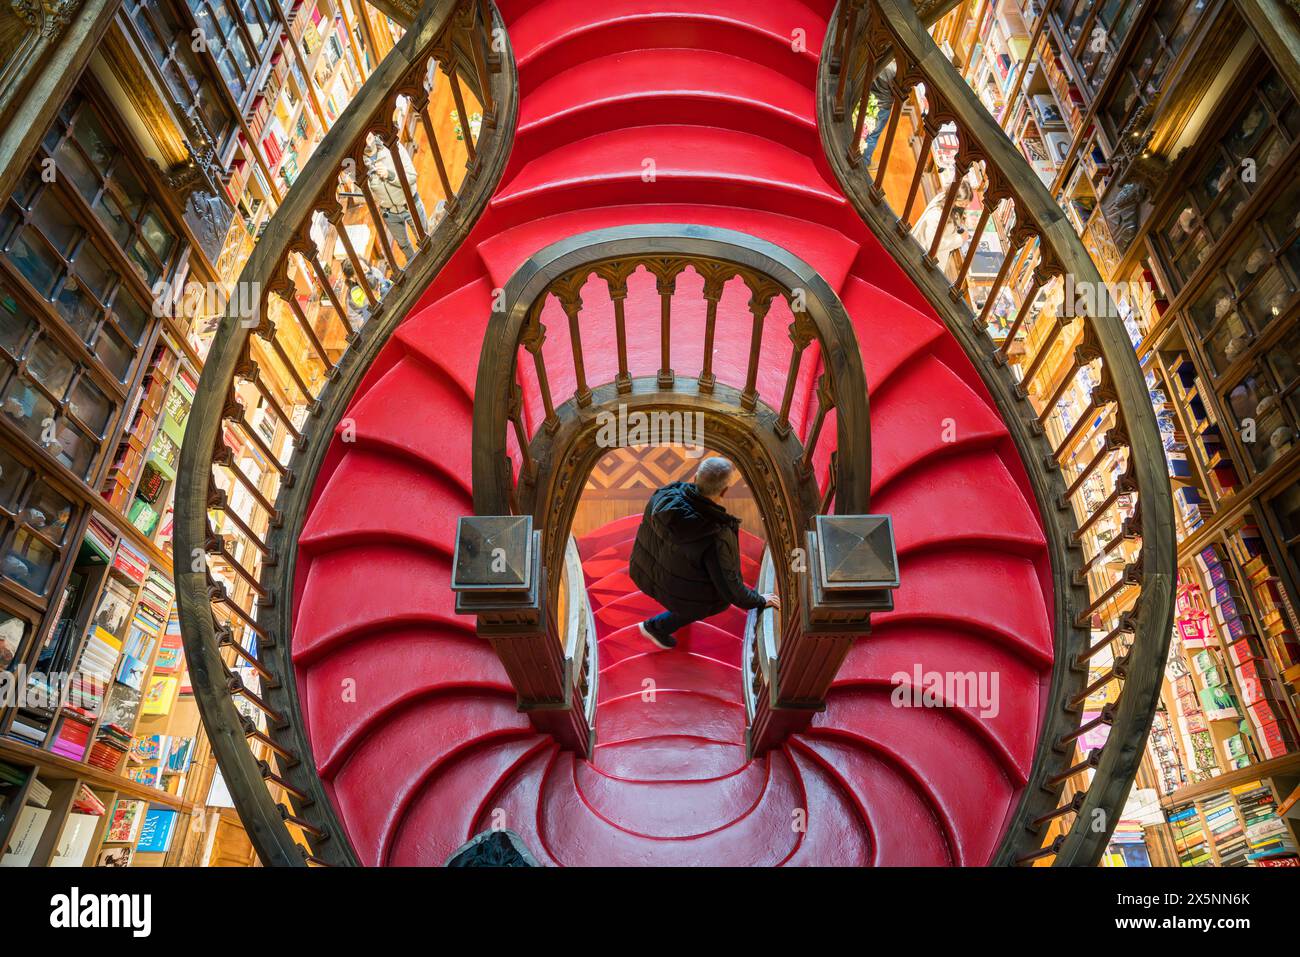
(373, 215)
(555, 454)
(1099, 476)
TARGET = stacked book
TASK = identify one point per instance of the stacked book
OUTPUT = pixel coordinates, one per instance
(74, 733)
(1226, 830)
(1266, 833)
(88, 803)
(39, 793)
(1189, 836)
(99, 656)
(111, 743)
(130, 562)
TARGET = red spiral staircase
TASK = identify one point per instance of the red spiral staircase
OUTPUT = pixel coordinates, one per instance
(398, 723)
(721, 102)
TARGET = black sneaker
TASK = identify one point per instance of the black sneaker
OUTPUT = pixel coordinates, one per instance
(663, 641)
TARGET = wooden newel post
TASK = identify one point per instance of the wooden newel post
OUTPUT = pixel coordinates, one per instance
(849, 570)
(498, 577)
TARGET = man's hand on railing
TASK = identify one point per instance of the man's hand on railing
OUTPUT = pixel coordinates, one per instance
(772, 600)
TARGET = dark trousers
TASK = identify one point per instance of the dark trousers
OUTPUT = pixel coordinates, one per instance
(667, 622)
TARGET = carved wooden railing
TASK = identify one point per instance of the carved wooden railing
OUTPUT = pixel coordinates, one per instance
(327, 282)
(531, 457)
(1100, 476)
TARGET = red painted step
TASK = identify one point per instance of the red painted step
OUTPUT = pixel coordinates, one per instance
(427, 748)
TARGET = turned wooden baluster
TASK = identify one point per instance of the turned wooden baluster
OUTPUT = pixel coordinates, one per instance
(266, 331)
(760, 301)
(567, 293)
(233, 411)
(467, 22)
(515, 410)
(1086, 352)
(306, 249)
(532, 336)
(1046, 270)
(801, 332)
(377, 220)
(994, 196)
(449, 67)
(930, 129)
(615, 276)
(960, 169)
(825, 402)
(1116, 438)
(665, 272)
(217, 499)
(901, 88)
(1021, 235)
(1103, 394)
(224, 456)
(335, 218)
(715, 281)
(438, 160)
(248, 370)
(846, 38)
(408, 189)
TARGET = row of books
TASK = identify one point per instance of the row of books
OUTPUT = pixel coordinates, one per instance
(1262, 692)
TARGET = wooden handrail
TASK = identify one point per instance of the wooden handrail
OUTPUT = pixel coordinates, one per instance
(296, 339)
(1118, 429)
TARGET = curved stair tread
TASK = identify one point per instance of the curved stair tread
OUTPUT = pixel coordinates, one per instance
(886, 346)
(951, 763)
(348, 693)
(672, 712)
(464, 314)
(990, 593)
(410, 412)
(514, 803)
(578, 836)
(926, 410)
(442, 817)
(904, 654)
(691, 164)
(726, 83)
(402, 502)
(387, 770)
(623, 529)
(350, 592)
(669, 758)
(907, 832)
(702, 639)
(543, 43)
(824, 248)
(671, 809)
(947, 501)
(836, 834)
(675, 670)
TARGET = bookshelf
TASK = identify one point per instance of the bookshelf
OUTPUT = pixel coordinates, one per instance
(104, 721)
(1204, 273)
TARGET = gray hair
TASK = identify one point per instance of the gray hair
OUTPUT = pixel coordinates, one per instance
(713, 476)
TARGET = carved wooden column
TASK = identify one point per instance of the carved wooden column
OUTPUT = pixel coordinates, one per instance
(498, 577)
(849, 570)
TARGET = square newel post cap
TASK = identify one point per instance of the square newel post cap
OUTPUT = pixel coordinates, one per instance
(854, 567)
(495, 567)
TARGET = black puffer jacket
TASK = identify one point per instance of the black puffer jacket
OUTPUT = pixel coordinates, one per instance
(687, 554)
